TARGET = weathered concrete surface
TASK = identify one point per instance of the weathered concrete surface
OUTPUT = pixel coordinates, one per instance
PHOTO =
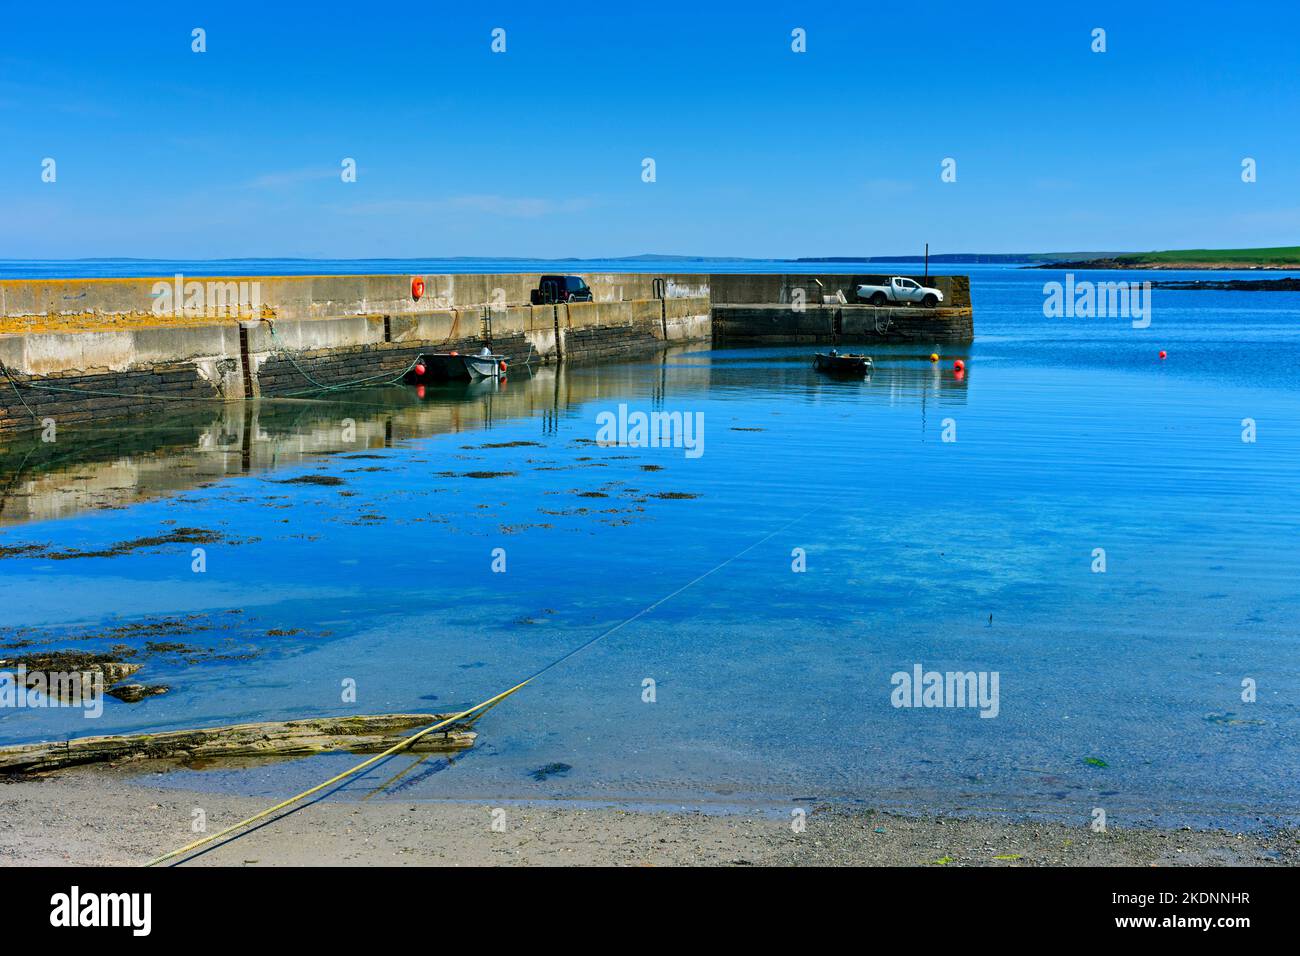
(767, 288)
(47, 305)
(773, 323)
(43, 354)
(55, 353)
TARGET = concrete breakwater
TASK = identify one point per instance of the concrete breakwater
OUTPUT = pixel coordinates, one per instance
(79, 350)
(834, 324)
(770, 309)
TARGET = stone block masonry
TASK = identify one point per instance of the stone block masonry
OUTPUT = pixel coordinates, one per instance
(71, 398)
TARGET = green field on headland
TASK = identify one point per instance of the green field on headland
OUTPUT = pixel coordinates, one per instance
(1277, 257)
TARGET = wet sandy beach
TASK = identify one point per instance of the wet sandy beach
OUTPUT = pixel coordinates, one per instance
(104, 817)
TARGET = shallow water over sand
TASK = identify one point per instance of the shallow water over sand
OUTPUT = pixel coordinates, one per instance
(1120, 689)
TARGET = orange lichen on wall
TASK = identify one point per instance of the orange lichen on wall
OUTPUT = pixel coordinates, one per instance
(96, 322)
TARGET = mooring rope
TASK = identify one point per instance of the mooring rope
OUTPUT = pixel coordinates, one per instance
(45, 386)
(472, 712)
(4, 368)
(368, 381)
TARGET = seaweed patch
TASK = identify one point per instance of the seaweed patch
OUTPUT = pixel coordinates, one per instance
(311, 480)
(550, 770)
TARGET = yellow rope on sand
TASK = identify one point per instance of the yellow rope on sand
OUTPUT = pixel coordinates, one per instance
(400, 745)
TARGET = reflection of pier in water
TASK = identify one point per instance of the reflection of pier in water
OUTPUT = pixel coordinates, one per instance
(116, 464)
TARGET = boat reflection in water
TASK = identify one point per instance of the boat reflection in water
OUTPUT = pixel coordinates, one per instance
(119, 462)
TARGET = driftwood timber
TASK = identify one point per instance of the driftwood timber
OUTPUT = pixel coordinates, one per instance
(293, 738)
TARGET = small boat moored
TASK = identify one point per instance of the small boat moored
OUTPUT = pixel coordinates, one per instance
(835, 363)
(458, 367)
(485, 364)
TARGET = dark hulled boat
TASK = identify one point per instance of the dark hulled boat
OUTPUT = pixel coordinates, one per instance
(834, 363)
(458, 367)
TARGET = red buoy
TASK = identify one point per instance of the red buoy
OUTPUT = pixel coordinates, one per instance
(453, 352)
(419, 368)
(503, 365)
(1163, 355)
(417, 288)
(958, 366)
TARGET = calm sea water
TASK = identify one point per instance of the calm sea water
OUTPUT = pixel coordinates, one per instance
(1120, 689)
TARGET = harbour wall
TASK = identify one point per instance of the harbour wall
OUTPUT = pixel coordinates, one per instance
(840, 324)
(75, 351)
(50, 305)
(768, 288)
(71, 377)
(768, 309)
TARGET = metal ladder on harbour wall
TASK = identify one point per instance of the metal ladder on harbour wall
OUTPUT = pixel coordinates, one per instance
(659, 289)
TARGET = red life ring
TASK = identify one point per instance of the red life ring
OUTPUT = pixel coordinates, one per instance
(417, 288)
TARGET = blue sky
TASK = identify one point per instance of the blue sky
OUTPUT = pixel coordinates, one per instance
(759, 151)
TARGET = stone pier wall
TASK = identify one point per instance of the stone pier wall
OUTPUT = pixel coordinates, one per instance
(850, 324)
(82, 350)
(78, 377)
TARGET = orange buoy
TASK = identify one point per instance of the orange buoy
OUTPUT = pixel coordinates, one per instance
(453, 352)
(417, 288)
(958, 366)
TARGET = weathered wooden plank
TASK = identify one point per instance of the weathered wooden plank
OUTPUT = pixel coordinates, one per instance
(293, 738)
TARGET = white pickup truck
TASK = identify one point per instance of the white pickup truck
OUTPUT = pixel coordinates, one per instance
(900, 291)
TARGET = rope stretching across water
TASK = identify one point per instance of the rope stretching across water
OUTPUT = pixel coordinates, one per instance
(472, 712)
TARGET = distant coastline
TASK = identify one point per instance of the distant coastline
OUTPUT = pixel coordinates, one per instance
(1273, 258)
(1190, 266)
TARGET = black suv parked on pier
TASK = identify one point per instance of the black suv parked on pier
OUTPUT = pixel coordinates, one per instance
(561, 289)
